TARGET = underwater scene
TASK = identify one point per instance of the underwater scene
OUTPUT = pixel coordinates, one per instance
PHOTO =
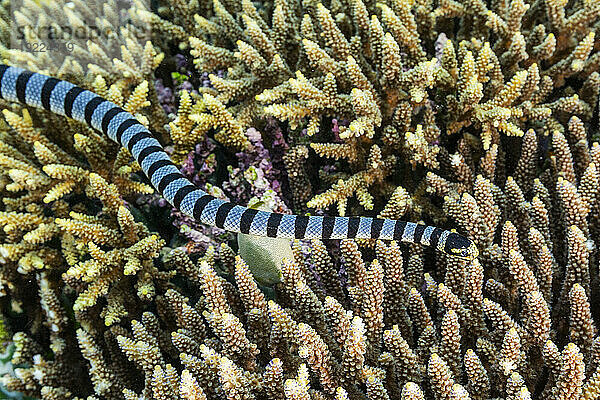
(300, 199)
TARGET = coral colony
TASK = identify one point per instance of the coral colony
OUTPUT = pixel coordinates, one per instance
(474, 115)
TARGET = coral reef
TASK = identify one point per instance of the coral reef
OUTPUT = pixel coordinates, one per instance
(475, 114)
(407, 84)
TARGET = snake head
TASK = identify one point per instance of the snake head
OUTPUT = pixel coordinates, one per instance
(461, 246)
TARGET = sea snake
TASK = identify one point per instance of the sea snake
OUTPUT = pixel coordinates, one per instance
(64, 98)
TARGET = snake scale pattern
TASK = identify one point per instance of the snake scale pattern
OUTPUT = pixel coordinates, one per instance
(64, 98)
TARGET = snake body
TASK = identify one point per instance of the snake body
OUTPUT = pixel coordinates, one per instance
(64, 98)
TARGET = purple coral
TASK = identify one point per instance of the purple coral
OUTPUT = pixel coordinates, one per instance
(335, 128)
(198, 167)
(258, 175)
(255, 173)
(165, 97)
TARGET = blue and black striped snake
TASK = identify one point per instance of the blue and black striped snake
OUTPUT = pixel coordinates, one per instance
(64, 98)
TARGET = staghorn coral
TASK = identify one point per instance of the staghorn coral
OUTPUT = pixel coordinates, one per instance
(496, 322)
(317, 347)
(71, 250)
(231, 342)
(496, 101)
(374, 66)
(107, 42)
